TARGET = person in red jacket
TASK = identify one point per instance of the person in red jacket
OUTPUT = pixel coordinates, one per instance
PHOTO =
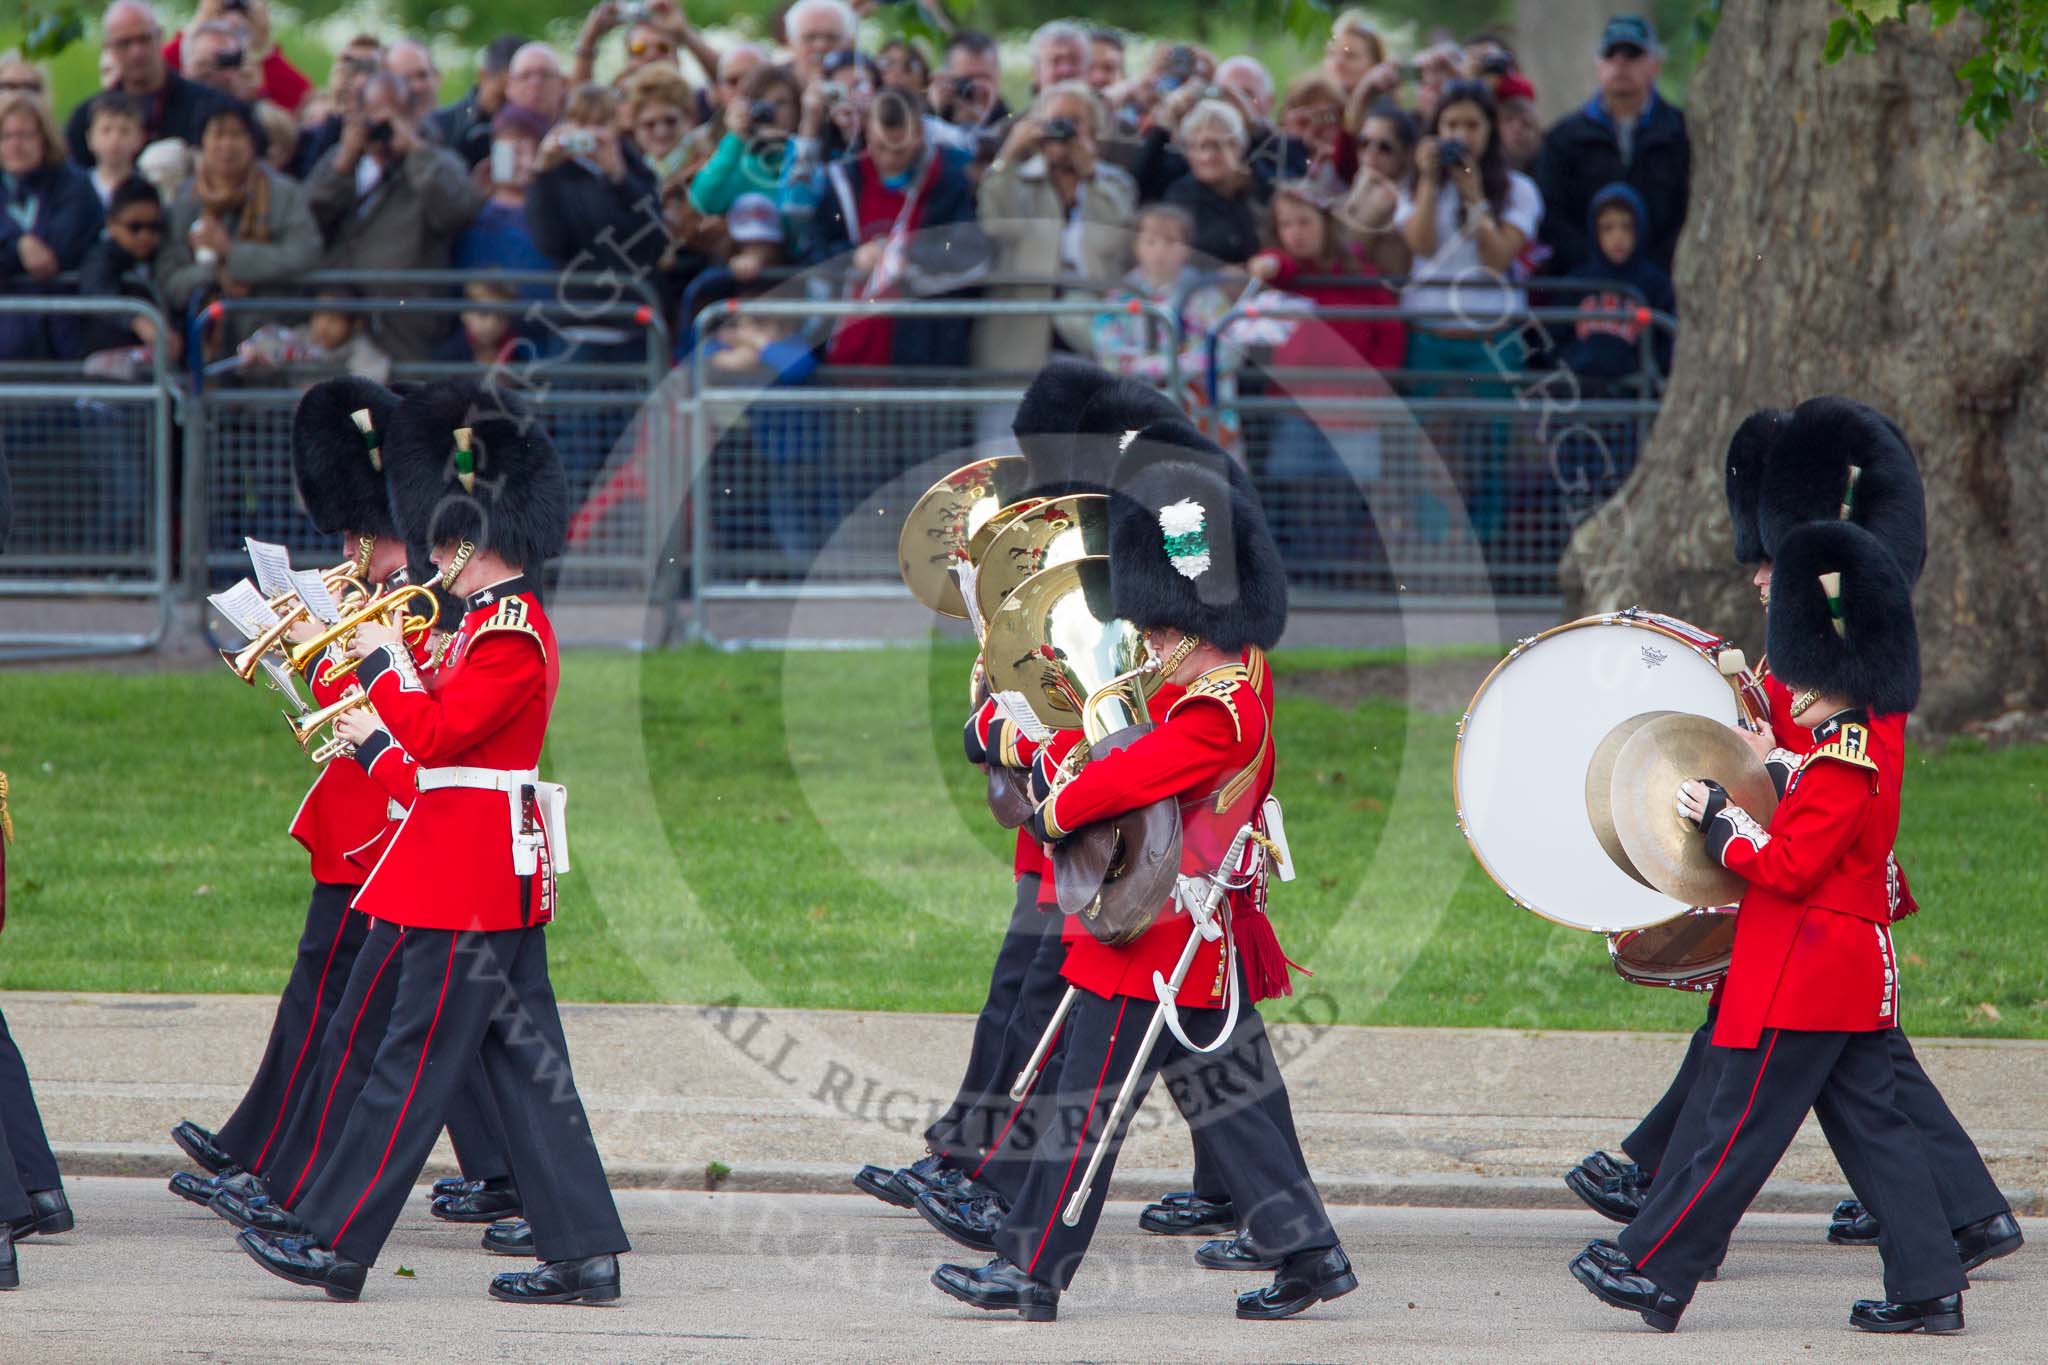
(1812, 988)
(1192, 563)
(469, 878)
(1831, 457)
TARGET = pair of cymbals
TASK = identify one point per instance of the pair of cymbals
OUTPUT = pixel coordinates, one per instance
(1632, 786)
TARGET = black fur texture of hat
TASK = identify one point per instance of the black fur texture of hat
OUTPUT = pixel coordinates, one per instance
(336, 467)
(1806, 478)
(1749, 450)
(1873, 660)
(516, 502)
(1189, 548)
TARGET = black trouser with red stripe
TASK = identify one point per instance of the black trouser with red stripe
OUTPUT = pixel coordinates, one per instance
(336, 1074)
(1234, 1097)
(995, 1129)
(13, 1190)
(463, 998)
(957, 1134)
(1761, 1097)
(30, 1159)
(327, 951)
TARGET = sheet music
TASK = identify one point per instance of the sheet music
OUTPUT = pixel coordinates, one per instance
(273, 565)
(244, 607)
(312, 590)
(1018, 710)
(963, 577)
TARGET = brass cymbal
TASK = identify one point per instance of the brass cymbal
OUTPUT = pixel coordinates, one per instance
(937, 532)
(1659, 842)
(1051, 532)
(1600, 785)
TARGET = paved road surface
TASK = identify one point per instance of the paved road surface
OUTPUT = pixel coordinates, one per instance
(788, 1278)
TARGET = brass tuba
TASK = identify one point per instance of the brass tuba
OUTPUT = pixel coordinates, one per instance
(933, 549)
(1057, 640)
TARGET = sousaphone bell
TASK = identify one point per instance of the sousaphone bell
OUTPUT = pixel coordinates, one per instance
(1057, 640)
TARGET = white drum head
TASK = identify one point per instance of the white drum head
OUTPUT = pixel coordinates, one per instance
(1520, 767)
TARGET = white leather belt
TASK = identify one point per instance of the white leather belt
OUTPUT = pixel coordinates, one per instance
(483, 779)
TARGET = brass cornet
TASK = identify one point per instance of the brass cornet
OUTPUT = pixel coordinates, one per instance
(305, 728)
(246, 662)
(383, 606)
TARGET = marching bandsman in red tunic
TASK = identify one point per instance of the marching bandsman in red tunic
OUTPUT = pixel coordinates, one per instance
(1831, 458)
(1193, 564)
(469, 878)
(1812, 988)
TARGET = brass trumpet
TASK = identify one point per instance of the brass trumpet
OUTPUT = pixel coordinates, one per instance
(305, 728)
(383, 606)
(341, 580)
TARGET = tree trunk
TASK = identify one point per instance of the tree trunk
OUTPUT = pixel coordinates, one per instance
(1554, 42)
(1847, 236)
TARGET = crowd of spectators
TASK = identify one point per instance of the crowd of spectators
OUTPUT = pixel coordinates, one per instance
(210, 167)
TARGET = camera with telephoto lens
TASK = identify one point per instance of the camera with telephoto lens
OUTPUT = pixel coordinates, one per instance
(1452, 155)
(1059, 130)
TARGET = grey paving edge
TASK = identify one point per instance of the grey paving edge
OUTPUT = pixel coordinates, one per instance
(1428, 1191)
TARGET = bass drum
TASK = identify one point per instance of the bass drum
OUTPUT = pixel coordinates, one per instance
(1519, 768)
(1690, 953)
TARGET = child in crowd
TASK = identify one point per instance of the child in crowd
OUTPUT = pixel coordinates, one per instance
(280, 137)
(332, 338)
(1606, 352)
(488, 336)
(1130, 343)
(113, 133)
(1322, 456)
(122, 264)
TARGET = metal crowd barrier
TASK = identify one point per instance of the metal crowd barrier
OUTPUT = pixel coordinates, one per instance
(781, 469)
(597, 411)
(90, 465)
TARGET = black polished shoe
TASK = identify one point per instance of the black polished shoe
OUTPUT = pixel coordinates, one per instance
(1601, 1166)
(1614, 1280)
(1303, 1280)
(880, 1181)
(1987, 1239)
(1851, 1225)
(200, 1146)
(1196, 1217)
(1173, 1197)
(513, 1237)
(49, 1213)
(10, 1268)
(1617, 1197)
(972, 1222)
(452, 1184)
(201, 1189)
(930, 1173)
(1610, 1253)
(1000, 1287)
(497, 1199)
(302, 1260)
(1929, 1315)
(258, 1214)
(594, 1279)
(1235, 1253)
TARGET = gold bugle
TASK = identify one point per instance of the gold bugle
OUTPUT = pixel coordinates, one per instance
(302, 656)
(247, 660)
(306, 727)
(415, 629)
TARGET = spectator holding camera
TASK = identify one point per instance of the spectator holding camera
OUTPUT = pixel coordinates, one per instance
(657, 31)
(410, 61)
(1219, 191)
(901, 218)
(968, 93)
(1626, 132)
(754, 150)
(499, 239)
(236, 227)
(735, 65)
(360, 58)
(590, 200)
(1053, 207)
(216, 56)
(464, 126)
(271, 74)
(387, 198)
(52, 217)
(132, 38)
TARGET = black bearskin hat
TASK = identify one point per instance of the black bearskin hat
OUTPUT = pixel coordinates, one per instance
(1860, 643)
(1189, 548)
(516, 502)
(1806, 479)
(1749, 451)
(1056, 461)
(337, 467)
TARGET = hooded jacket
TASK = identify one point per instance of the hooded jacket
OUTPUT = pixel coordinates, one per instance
(1610, 348)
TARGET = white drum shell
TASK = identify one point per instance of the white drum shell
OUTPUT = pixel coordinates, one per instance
(1520, 766)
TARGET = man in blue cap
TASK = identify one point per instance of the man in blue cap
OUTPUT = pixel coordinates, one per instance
(1625, 132)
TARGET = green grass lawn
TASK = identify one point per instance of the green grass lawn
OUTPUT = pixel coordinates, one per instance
(800, 829)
